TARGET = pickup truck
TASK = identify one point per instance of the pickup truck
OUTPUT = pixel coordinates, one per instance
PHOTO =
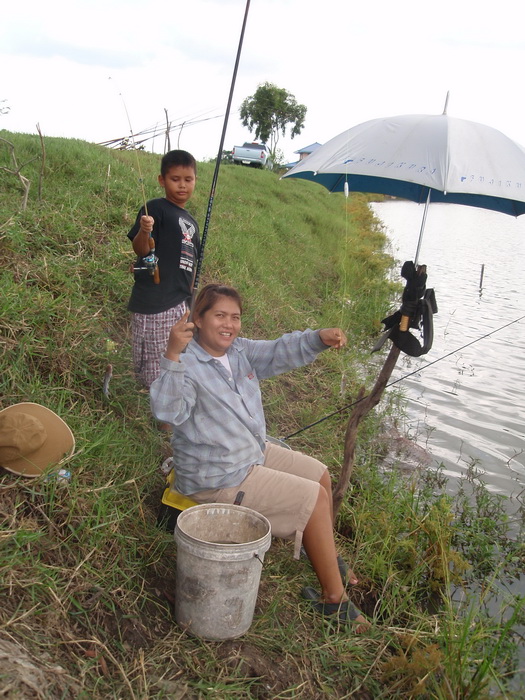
(254, 154)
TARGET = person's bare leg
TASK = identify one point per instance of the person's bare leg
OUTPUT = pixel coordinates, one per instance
(318, 540)
(326, 483)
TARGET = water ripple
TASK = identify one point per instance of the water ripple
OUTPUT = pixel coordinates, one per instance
(468, 408)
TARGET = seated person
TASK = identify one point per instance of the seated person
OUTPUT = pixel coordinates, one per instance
(208, 390)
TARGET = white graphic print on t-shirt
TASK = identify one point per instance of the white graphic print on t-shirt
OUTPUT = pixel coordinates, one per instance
(186, 250)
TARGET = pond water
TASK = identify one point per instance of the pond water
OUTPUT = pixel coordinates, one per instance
(469, 407)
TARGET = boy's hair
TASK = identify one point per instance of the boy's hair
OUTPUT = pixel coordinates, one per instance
(209, 294)
(174, 158)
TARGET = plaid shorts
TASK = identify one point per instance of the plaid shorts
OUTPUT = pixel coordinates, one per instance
(149, 338)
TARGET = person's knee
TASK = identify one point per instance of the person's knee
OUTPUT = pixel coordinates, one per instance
(326, 481)
(322, 504)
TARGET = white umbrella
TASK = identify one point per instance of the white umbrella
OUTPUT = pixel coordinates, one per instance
(423, 158)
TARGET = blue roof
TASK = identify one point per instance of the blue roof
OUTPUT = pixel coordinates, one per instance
(309, 149)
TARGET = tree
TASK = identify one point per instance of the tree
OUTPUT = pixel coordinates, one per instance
(269, 111)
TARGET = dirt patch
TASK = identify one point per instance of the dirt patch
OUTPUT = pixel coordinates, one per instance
(403, 453)
(27, 678)
(249, 661)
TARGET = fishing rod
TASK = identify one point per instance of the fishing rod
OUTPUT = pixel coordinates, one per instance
(132, 135)
(150, 133)
(405, 376)
(217, 165)
(150, 262)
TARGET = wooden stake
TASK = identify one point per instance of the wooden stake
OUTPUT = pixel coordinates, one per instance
(361, 409)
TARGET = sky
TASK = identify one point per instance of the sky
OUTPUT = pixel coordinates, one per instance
(99, 71)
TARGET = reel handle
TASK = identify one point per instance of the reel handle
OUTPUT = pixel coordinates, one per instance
(156, 274)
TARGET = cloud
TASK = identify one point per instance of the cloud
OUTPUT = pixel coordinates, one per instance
(347, 63)
(41, 47)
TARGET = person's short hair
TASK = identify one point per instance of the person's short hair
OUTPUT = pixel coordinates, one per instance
(174, 158)
(209, 294)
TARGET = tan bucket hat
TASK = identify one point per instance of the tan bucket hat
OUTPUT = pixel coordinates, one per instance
(33, 438)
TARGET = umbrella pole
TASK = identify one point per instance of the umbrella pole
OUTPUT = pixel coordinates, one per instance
(423, 222)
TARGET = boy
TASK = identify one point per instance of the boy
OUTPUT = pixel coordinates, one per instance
(156, 305)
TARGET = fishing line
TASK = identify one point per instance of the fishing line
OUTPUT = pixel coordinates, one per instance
(132, 135)
(345, 302)
(149, 262)
(396, 381)
(217, 164)
(345, 272)
(109, 367)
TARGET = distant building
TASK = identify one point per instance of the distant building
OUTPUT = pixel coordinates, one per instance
(303, 153)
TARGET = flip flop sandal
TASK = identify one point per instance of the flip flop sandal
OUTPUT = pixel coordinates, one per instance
(344, 612)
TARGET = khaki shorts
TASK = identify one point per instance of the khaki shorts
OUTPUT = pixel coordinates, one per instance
(285, 490)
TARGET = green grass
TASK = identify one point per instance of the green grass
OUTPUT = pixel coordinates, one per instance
(86, 577)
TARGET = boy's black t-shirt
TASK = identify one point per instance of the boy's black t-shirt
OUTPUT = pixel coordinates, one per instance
(177, 245)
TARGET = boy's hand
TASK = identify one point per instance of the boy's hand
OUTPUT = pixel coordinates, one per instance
(180, 335)
(333, 337)
(146, 224)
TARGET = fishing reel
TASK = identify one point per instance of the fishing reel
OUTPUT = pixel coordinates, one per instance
(151, 264)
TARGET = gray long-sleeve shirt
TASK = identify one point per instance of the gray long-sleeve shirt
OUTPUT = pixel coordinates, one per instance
(219, 429)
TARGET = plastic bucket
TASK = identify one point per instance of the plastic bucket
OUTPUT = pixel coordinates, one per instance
(220, 551)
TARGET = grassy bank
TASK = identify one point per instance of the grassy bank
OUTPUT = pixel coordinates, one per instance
(87, 578)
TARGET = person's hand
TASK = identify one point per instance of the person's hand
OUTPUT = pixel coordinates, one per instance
(180, 335)
(333, 337)
(146, 224)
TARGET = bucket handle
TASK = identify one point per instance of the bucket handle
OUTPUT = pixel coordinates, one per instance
(258, 558)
